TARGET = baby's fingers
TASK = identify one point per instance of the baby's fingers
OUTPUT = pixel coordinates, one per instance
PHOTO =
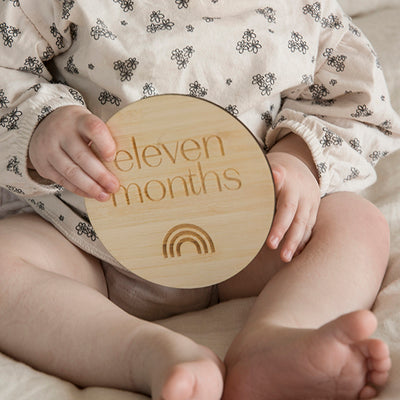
(93, 130)
(82, 155)
(299, 232)
(70, 175)
(286, 209)
(56, 177)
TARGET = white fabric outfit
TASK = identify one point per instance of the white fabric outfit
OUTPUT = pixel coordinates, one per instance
(279, 66)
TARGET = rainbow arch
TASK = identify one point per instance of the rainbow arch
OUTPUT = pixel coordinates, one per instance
(186, 233)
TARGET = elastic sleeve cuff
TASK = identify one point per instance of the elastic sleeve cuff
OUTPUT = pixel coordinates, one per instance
(338, 168)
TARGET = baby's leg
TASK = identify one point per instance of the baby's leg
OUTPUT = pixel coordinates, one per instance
(54, 315)
(297, 342)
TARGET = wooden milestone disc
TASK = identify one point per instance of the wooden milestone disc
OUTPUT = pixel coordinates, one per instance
(196, 200)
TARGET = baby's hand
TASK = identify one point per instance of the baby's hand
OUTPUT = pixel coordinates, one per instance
(63, 148)
(298, 199)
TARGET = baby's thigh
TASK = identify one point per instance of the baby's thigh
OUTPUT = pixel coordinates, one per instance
(28, 239)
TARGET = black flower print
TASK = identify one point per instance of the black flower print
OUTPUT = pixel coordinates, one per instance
(48, 54)
(10, 120)
(318, 92)
(232, 109)
(307, 79)
(210, 19)
(59, 189)
(126, 5)
(33, 65)
(76, 96)
(336, 62)
(332, 22)
(353, 175)
(362, 111)
(3, 99)
(44, 112)
(15, 190)
(59, 38)
(106, 97)
(9, 33)
(157, 17)
(314, 10)
(356, 145)
(189, 28)
(66, 8)
(13, 166)
(36, 87)
(376, 155)
(182, 56)
(182, 3)
(281, 119)
(73, 29)
(126, 68)
(322, 168)
(354, 30)
(149, 90)
(86, 229)
(15, 3)
(101, 30)
(297, 43)
(38, 204)
(71, 67)
(159, 22)
(268, 13)
(264, 82)
(267, 118)
(330, 139)
(196, 90)
(248, 43)
(386, 127)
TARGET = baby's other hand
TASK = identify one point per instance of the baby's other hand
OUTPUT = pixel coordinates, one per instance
(65, 148)
(298, 199)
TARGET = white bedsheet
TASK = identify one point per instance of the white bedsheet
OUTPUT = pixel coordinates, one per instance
(20, 382)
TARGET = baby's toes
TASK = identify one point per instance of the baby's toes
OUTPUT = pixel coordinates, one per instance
(378, 378)
(180, 384)
(379, 356)
(368, 392)
(379, 362)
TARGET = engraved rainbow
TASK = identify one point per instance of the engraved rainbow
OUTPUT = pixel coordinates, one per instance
(186, 233)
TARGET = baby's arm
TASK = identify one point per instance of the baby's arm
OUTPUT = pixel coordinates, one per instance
(298, 195)
(342, 112)
(63, 149)
(30, 99)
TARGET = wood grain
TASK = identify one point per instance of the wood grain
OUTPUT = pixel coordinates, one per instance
(196, 200)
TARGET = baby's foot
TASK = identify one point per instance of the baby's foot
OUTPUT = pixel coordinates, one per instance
(170, 366)
(337, 361)
(196, 380)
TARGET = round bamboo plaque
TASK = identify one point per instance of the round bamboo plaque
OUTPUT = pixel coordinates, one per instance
(196, 200)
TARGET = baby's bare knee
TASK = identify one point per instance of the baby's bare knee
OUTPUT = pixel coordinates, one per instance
(369, 223)
(359, 222)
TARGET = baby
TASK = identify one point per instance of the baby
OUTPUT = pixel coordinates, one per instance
(306, 82)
